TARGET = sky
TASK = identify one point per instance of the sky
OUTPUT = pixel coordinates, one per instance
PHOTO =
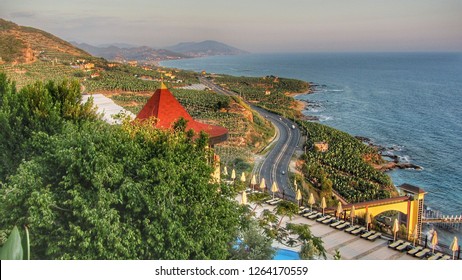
(251, 25)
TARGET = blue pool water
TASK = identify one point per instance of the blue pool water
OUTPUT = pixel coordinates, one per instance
(283, 254)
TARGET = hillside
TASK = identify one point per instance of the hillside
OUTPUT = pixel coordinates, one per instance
(120, 54)
(205, 48)
(20, 44)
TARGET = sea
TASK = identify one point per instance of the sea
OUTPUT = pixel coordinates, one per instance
(410, 103)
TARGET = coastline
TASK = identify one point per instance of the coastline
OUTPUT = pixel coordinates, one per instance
(337, 74)
(387, 165)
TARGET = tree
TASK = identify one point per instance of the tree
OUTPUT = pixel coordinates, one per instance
(253, 244)
(311, 246)
(36, 108)
(88, 190)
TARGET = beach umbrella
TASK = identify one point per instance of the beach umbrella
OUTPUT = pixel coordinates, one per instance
(253, 181)
(295, 184)
(298, 197)
(434, 241)
(454, 246)
(339, 210)
(244, 198)
(274, 188)
(352, 214)
(395, 228)
(311, 201)
(233, 174)
(225, 171)
(323, 204)
(368, 220)
(262, 185)
(243, 177)
(414, 235)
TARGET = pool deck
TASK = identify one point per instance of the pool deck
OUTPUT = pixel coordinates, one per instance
(351, 247)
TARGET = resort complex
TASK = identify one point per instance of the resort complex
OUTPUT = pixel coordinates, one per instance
(103, 159)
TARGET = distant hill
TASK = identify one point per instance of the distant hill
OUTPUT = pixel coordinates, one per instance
(205, 48)
(140, 54)
(20, 44)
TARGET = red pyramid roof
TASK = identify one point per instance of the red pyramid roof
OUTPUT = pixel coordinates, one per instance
(164, 106)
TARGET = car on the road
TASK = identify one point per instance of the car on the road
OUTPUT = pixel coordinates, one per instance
(283, 172)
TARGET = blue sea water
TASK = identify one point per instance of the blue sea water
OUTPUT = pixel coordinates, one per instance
(408, 102)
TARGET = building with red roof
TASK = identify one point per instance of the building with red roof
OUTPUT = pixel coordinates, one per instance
(164, 106)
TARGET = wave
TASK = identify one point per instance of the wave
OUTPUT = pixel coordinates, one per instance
(316, 109)
(327, 89)
(405, 158)
(323, 118)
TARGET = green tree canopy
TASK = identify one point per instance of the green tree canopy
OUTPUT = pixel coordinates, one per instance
(88, 190)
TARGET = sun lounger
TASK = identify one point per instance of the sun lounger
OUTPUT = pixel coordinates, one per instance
(342, 226)
(403, 246)
(309, 213)
(446, 257)
(367, 234)
(395, 244)
(320, 219)
(415, 250)
(436, 256)
(271, 200)
(314, 216)
(328, 221)
(350, 229)
(275, 202)
(374, 236)
(358, 231)
(337, 223)
(422, 253)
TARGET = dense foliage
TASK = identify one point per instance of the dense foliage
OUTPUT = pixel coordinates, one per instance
(268, 92)
(135, 79)
(248, 131)
(343, 166)
(88, 190)
(10, 48)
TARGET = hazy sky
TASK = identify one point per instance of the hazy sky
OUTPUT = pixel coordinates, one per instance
(253, 25)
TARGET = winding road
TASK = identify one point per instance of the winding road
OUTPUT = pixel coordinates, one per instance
(275, 165)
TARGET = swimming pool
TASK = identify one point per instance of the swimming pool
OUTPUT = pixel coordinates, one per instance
(283, 254)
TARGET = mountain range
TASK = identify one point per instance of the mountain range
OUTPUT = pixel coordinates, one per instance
(21, 44)
(141, 54)
(205, 48)
(125, 52)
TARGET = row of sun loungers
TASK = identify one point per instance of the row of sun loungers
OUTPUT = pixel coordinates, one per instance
(371, 235)
(418, 251)
(399, 245)
(339, 224)
(273, 201)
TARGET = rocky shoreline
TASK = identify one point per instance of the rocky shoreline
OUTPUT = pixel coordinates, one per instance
(393, 163)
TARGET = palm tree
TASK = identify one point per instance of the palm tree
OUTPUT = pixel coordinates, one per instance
(286, 208)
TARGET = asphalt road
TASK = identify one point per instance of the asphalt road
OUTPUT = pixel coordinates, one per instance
(275, 166)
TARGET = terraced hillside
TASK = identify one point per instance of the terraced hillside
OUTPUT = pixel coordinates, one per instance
(21, 44)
